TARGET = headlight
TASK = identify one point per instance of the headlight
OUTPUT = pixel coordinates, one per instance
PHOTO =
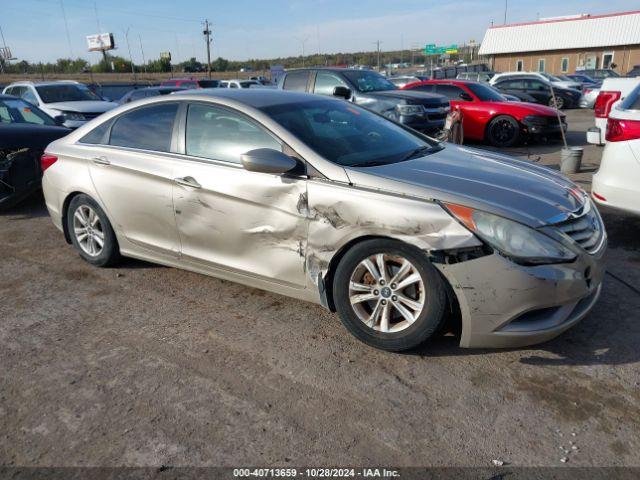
(535, 120)
(519, 242)
(410, 109)
(72, 116)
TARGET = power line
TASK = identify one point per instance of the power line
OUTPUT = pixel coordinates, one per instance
(66, 27)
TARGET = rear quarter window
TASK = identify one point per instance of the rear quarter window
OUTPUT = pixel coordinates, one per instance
(296, 81)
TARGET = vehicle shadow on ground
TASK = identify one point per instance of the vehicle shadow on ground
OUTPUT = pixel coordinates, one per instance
(31, 207)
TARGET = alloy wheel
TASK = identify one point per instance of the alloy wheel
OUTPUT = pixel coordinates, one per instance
(387, 292)
(88, 230)
(503, 131)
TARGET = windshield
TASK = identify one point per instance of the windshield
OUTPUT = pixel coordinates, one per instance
(349, 135)
(66, 93)
(485, 93)
(368, 81)
(19, 111)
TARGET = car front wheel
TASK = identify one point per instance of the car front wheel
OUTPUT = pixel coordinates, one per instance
(503, 131)
(91, 233)
(389, 295)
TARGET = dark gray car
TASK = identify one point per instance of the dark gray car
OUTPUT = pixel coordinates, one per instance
(421, 111)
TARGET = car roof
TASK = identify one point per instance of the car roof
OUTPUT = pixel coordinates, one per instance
(44, 83)
(256, 98)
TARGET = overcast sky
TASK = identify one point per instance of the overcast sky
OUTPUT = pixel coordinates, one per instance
(35, 29)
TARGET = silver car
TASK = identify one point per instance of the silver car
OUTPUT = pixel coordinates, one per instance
(325, 201)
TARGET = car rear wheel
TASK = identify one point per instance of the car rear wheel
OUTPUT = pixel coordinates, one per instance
(503, 131)
(91, 233)
(389, 295)
(559, 102)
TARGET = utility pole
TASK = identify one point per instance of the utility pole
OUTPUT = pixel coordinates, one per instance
(378, 49)
(505, 11)
(302, 42)
(207, 35)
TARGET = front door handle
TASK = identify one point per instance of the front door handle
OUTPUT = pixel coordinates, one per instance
(101, 161)
(187, 182)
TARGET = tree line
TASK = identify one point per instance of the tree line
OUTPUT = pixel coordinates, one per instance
(113, 63)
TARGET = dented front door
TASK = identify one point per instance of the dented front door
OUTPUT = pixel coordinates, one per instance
(243, 222)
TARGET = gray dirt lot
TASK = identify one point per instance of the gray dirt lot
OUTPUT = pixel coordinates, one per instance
(146, 365)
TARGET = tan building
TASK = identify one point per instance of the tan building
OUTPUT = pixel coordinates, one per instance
(567, 44)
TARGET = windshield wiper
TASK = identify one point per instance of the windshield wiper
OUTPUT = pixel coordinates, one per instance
(418, 152)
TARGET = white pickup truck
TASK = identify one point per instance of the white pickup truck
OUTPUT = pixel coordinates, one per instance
(613, 90)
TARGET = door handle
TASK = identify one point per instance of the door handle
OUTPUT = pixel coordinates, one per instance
(101, 161)
(187, 182)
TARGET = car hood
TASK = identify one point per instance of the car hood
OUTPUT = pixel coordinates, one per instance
(411, 96)
(522, 109)
(515, 189)
(89, 106)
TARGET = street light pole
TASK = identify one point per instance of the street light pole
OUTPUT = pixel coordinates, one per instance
(302, 42)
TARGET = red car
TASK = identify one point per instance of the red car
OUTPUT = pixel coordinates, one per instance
(488, 116)
(191, 83)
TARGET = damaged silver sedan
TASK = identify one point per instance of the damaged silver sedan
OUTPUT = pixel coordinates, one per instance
(325, 201)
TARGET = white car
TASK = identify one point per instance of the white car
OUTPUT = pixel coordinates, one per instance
(589, 97)
(236, 83)
(71, 100)
(555, 81)
(612, 91)
(617, 182)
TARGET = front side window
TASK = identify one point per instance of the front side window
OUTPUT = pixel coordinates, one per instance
(66, 93)
(220, 134)
(511, 84)
(146, 128)
(326, 82)
(450, 91)
(296, 81)
(349, 135)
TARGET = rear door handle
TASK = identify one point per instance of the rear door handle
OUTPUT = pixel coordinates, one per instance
(101, 161)
(187, 182)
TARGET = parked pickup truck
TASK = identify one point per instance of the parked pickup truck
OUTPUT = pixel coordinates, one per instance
(424, 112)
(613, 90)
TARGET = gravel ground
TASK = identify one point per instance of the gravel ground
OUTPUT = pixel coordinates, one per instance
(144, 365)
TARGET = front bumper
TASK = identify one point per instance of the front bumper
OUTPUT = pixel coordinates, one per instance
(424, 123)
(551, 128)
(508, 305)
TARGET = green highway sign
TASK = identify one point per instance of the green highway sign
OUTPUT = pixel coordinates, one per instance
(432, 49)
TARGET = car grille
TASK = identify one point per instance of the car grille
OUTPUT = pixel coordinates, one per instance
(585, 229)
(437, 112)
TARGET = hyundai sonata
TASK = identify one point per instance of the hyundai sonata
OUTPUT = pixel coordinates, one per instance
(325, 201)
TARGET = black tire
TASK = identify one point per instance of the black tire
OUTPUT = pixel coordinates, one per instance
(560, 103)
(110, 251)
(428, 322)
(503, 131)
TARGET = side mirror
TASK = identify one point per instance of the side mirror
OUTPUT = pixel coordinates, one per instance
(466, 97)
(59, 119)
(267, 160)
(342, 92)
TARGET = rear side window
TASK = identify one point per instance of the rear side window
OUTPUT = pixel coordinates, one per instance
(220, 134)
(97, 136)
(632, 102)
(296, 81)
(147, 128)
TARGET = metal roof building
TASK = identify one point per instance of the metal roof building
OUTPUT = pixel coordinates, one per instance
(565, 44)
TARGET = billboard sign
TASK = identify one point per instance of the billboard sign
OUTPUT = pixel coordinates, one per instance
(165, 56)
(100, 42)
